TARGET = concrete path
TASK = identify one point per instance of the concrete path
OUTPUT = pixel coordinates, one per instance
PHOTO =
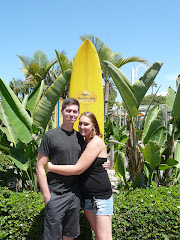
(113, 179)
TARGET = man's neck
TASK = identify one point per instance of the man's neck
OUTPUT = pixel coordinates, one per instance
(67, 127)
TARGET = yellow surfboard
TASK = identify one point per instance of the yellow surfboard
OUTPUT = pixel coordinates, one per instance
(86, 83)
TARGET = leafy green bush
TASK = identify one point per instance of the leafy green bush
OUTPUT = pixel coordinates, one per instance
(22, 216)
(140, 214)
(8, 177)
(147, 214)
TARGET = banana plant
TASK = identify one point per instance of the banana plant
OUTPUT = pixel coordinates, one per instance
(177, 157)
(119, 138)
(152, 158)
(154, 128)
(132, 97)
(113, 131)
(173, 103)
(153, 138)
(25, 122)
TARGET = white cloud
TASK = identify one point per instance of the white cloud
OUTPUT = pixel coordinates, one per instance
(162, 93)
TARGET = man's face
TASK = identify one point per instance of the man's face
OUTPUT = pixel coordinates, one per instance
(70, 113)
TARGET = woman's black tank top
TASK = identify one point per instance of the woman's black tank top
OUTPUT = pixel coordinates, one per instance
(95, 182)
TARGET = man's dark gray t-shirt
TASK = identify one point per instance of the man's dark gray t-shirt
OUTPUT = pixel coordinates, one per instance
(62, 147)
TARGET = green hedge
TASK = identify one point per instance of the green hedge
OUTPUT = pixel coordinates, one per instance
(147, 214)
(138, 214)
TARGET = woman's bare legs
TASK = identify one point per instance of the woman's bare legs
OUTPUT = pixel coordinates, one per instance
(101, 225)
(91, 218)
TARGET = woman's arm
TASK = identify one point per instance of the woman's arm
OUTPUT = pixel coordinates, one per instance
(92, 151)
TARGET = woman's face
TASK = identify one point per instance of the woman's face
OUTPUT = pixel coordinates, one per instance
(85, 126)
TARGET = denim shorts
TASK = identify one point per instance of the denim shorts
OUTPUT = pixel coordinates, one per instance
(99, 206)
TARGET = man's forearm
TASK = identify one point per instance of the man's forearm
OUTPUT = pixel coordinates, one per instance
(42, 179)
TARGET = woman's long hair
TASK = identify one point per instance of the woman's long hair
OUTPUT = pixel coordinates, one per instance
(93, 119)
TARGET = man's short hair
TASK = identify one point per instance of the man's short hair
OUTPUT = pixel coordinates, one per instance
(70, 101)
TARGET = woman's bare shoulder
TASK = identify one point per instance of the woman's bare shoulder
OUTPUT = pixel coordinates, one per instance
(97, 140)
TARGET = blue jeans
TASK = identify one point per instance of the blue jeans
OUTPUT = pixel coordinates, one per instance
(99, 206)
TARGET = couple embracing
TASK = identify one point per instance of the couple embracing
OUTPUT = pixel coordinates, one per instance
(75, 162)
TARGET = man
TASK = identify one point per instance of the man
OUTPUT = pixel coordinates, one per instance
(61, 193)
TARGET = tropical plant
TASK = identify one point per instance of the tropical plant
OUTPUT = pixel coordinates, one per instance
(132, 97)
(117, 138)
(24, 124)
(153, 137)
(19, 88)
(63, 64)
(105, 53)
(172, 145)
(36, 69)
(112, 131)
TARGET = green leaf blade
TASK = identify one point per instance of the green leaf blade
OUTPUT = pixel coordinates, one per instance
(176, 106)
(141, 86)
(17, 115)
(152, 154)
(8, 129)
(47, 104)
(35, 97)
(124, 88)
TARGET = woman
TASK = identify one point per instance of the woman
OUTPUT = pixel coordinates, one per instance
(95, 185)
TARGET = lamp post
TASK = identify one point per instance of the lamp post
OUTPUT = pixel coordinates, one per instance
(134, 72)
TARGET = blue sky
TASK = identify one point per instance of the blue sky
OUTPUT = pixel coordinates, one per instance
(149, 29)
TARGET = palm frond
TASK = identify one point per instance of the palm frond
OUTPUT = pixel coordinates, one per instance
(124, 61)
(64, 62)
(26, 61)
(40, 58)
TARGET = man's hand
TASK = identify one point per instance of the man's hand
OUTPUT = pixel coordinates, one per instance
(107, 164)
(48, 168)
(41, 175)
(47, 198)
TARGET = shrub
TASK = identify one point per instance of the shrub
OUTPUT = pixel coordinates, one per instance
(147, 214)
(8, 177)
(139, 214)
(21, 215)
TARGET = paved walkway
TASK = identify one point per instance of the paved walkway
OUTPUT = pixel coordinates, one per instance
(113, 179)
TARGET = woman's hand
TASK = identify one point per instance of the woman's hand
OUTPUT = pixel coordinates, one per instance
(107, 164)
(49, 165)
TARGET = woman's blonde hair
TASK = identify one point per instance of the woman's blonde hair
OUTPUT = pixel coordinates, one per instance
(93, 119)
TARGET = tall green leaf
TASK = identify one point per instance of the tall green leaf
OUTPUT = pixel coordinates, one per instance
(47, 104)
(177, 152)
(141, 86)
(170, 98)
(159, 136)
(120, 164)
(17, 115)
(124, 88)
(176, 106)
(152, 154)
(35, 97)
(8, 129)
(155, 121)
(18, 158)
(24, 102)
(149, 119)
